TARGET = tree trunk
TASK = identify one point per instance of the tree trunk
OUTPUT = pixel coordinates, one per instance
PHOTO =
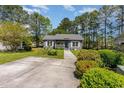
(122, 18)
(105, 34)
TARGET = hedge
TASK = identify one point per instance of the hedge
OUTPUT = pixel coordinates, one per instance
(110, 58)
(83, 66)
(101, 78)
(89, 55)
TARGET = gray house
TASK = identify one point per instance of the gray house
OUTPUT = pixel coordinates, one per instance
(66, 41)
(119, 43)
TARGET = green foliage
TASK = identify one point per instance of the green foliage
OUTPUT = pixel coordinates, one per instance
(52, 52)
(12, 34)
(110, 58)
(27, 44)
(13, 13)
(83, 66)
(75, 52)
(101, 78)
(89, 55)
(59, 48)
(63, 27)
(58, 31)
(40, 26)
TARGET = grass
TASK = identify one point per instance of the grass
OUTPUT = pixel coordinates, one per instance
(9, 56)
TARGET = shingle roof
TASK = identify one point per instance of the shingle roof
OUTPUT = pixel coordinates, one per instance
(63, 37)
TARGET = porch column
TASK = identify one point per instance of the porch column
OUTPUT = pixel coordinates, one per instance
(78, 43)
(52, 43)
(46, 43)
(71, 44)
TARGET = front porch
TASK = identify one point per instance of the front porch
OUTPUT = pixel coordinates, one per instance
(65, 44)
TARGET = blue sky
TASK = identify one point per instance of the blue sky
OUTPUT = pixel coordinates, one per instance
(57, 12)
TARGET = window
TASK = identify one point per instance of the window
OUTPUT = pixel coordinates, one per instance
(75, 43)
(49, 43)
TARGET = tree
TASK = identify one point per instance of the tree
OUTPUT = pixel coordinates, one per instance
(39, 26)
(87, 25)
(57, 31)
(93, 28)
(12, 34)
(105, 20)
(14, 13)
(119, 16)
(65, 24)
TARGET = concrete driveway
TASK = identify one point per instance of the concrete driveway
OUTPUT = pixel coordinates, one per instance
(37, 72)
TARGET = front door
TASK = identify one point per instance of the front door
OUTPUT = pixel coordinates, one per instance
(66, 44)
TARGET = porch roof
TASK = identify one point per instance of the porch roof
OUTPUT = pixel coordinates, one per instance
(63, 37)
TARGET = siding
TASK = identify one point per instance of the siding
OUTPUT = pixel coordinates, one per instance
(2, 47)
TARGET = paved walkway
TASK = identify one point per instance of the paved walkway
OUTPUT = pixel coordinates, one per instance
(40, 72)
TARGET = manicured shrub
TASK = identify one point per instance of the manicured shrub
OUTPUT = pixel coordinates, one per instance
(52, 52)
(83, 66)
(101, 78)
(59, 48)
(110, 58)
(41, 51)
(89, 55)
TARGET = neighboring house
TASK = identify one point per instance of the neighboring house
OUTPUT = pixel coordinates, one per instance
(119, 43)
(66, 41)
(2, 47)
(119, 40)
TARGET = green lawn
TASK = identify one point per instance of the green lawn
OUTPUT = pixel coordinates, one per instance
(9, 56)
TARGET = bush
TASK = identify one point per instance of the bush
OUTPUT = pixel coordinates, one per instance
(101, 78)
(27, 46)
(89, 55)
(83, 66)
(52, 52)
(12, 34)
(110, 58)
(41, 51)
(59, 48)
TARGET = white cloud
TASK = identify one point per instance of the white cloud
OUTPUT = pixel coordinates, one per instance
(41, 7)
(69, 7)
(86, 10)
(36, 8)
(30, 11)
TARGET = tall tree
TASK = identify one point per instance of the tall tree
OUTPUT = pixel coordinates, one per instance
(14, 13)
(105, 20)
(119, 10)
(39, 26)
(65, 24)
